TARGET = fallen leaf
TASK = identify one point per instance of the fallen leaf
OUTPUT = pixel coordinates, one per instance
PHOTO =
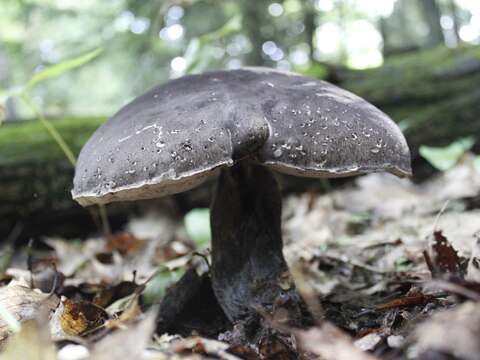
(368, 342)
(110, 294)
(330, 343)
(459, 325)
(126, 344)
(416, 298)
(444, 258)
(130, 312)
(124, 243)
(32, 343)
(202, 346)
(243, 352)
(80, 317)
(73, 352)
(23, 304)
(473, 269)
(274, 348)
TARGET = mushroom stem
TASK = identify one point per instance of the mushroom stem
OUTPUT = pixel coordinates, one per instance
(249, 272)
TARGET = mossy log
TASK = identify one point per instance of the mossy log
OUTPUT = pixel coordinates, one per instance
(434, 95)
(36, 178)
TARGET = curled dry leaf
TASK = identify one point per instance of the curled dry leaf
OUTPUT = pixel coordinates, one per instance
(124, 243)
(44, 278)
(460, 325)
(32, 342)
(473, 269)
(330, 343)
(413, 298)
(110, 294)
(275, 348)
(130, 313)
(369, 342)
(126, 344)
(81, 317)
(202, 346)
(24, 304)
(443, 258)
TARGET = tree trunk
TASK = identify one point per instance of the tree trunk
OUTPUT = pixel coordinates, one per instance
(431, 13)
(254, 13)
(456, 20)
(309, 20)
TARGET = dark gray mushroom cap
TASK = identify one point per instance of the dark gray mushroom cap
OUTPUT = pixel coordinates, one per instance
(181, 133)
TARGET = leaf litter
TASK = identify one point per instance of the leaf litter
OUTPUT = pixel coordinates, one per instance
(386, 269)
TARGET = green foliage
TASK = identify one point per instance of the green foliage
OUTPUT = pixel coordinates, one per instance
(45, 74)
(155, 288)
(445, 158)
(197, 53)
(403, 264)
(316, 70)
(197, 224)
(476, 163)
(51, 72)
(61, 68)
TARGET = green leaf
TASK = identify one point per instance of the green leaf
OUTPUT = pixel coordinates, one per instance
(197, 224)
(316, 70)
(444, 158)
(403, 264)
(62, 67)
(233, 25)
(196, 54)
(476, 163)
(2, 113)
(155, 288)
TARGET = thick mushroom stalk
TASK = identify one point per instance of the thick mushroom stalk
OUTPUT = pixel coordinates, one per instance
(249, 271)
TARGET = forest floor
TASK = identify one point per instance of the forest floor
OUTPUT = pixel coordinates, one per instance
(389, 269)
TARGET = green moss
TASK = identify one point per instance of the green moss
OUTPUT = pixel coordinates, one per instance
(28, 141)
(425, 75)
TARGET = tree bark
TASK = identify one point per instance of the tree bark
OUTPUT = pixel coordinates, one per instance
(254, 13)
(431, 13)
(309, 20)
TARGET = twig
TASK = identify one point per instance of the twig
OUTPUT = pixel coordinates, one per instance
(454, 288)
(30, 262)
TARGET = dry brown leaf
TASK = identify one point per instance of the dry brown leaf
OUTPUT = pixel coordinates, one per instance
(330, 343)
(24, 304)
(32, 343)
(126, 344)
(443, 256)
(412, 299)
(460, 325)
(124, 243)
(274, 348)
(131, 312)
(81, 317)
(202, 346)
(71, 254)
(473, 269)
(110, 294)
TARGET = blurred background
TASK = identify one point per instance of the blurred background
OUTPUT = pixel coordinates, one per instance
(417, 60)
(148, 42)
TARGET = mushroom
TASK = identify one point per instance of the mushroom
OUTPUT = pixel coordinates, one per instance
(240, 125)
